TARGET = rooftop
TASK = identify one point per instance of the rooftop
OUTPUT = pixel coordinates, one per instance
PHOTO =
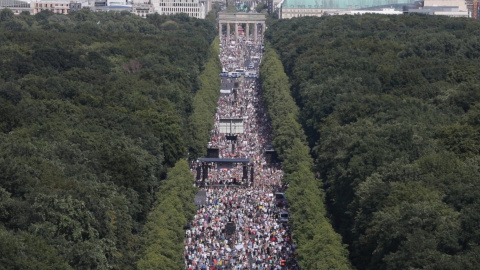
(342, 4)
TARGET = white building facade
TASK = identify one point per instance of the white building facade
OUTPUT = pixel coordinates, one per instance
(36, 6)
(193, 8)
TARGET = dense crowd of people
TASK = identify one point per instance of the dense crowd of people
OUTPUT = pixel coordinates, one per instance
(238, 227)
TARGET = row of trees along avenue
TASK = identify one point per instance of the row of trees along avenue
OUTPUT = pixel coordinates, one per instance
(94, 108)
(319, 247)
(163, 246)
(390, 105)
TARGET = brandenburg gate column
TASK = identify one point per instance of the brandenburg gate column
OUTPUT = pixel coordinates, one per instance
(228, 31)
(236, 31)
(255, 30)
(248, 31)
(220, 30)
(263, 29)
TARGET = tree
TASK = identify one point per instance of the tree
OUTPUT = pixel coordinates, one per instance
(163, 234)
(26, 251)
(6, 15)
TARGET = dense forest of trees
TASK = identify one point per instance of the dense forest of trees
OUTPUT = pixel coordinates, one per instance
(162, 246)
(390, 105)
(319, 247)
(94, 108)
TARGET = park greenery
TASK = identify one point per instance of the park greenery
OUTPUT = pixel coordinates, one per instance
(94, 110)
(162, 245)
(212, 14)
(390, 108)
(318, 245)
(162, 240)
(204, 104)
(375, 117)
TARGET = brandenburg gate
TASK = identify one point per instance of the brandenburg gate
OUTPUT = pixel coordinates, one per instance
(241, 18)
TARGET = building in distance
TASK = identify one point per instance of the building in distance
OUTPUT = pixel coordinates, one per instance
(300, 8)
(36, 6)
(193, 8)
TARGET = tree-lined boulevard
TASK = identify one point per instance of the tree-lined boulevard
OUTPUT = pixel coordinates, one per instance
(356, 143)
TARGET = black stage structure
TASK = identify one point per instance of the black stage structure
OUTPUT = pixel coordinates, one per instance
(205, 164)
